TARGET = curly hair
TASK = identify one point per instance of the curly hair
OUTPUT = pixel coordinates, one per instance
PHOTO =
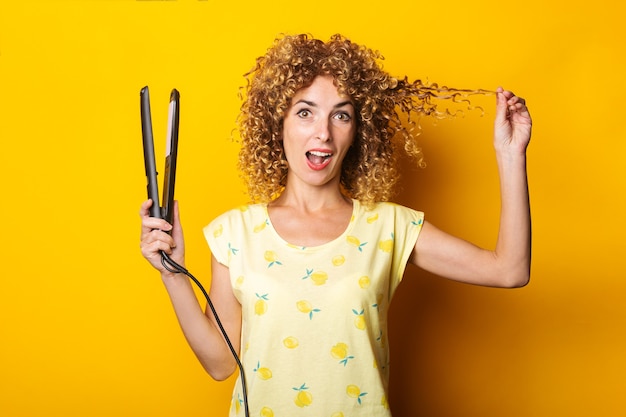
(369, 170)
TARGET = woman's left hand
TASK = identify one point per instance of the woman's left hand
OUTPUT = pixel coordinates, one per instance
(513, 124)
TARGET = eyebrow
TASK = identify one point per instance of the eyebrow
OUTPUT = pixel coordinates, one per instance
(336, 106)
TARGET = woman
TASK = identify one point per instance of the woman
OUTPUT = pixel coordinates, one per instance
(303, 277)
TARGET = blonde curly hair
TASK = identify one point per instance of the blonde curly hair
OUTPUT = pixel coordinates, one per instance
(369, 170)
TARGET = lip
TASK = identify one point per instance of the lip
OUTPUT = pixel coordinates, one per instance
(324, 164)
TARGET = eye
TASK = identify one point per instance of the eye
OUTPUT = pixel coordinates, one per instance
(343, 116)
(303, 113)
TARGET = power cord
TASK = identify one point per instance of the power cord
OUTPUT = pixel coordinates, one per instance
(175, 268)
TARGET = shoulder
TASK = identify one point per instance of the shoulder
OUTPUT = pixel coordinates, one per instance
(238, 217)
(389, 211)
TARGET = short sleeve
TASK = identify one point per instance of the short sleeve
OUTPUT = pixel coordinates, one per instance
(407, 227)
(216, 234)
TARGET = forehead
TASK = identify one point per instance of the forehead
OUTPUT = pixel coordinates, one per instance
(322, 90)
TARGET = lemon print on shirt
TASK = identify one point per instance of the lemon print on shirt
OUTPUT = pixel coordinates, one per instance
(384, 403)
(303, 398)
(337, 414)
(339, 260)
(261, 226)
(239, 281)
(354, 391)
(218, 231)
(371, 219)
(317, 277)
(260, 306)
(262, 372)
(305, 307)
(272, 258)
(237, 402)
(340, 352)
(232, 250)
(359, 321)
(290, 342)
(364, 282)
(267, 412)
(386, 245)
(354, 241)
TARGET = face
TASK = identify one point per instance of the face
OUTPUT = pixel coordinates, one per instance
(318, 129)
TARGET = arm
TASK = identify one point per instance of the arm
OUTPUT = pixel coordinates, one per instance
(200, 329)
(508, 265)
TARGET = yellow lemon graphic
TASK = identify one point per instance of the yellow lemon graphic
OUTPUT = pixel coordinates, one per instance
(218, 231)
(239, 281)
(264, 373)
(384, 402)
(386, 245)
(260, 306)
(353, 391)
(364, 282)
(339, 351)
(354, 241)
(290, 342)
(237, 404)
(267, 412)
(304, 306)
(337, 414)
(339, 260)
(372, 219)
(359, 321)
(319, 277)
(303, 399)
(272, 258)
(260, 227)
(243, 208)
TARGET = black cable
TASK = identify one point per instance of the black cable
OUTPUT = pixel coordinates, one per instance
(174, 267)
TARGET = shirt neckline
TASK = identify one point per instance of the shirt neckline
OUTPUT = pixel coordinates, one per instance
(355, 210)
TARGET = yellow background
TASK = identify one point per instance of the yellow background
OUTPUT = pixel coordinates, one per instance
(86, 328)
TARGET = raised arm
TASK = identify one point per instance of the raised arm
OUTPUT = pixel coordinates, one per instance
(508, 265)
(200, 329)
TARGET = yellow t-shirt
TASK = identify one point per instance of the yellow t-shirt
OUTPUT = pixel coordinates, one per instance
(314, 327)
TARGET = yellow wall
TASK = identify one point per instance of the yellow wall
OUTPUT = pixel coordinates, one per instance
(85, 326)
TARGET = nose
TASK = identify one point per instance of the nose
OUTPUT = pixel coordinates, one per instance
(323, 130)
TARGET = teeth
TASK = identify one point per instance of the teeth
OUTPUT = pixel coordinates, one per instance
(320, 154)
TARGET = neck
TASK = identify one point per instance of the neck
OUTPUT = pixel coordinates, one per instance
(313, 199)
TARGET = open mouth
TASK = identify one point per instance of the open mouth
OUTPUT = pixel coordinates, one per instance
(317, 157)
(318, 160)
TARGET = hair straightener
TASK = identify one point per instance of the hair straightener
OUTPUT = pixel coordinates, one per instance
(166, 207)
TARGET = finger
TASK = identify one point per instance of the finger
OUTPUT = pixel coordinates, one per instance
(153, 223)
(156, 241)
(144, 211)
(148, 222)
(155, 235)
(502, 98)
(152, 251)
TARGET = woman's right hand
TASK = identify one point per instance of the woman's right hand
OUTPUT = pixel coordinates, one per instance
(158, 235)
